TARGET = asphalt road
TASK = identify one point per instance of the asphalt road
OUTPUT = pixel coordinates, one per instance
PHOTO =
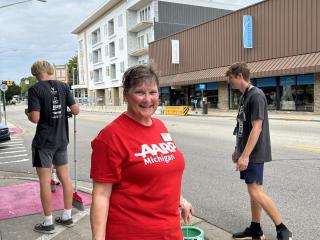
(210, 181)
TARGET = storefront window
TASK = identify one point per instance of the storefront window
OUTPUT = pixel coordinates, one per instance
(212, 95)
(305, 92)
(288, 92)
(165, 96)
(234, 98)
(178, 96)
(269, 87)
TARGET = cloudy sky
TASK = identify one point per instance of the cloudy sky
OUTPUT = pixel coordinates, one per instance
(35, 30)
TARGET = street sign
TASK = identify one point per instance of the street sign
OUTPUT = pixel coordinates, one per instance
(3, 87)
(202, 86)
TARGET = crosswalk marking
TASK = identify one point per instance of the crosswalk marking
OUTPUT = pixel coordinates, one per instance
(16, 147)
(17, 161)
(13, 152)
(14, 141)
(59, 229)
(10, 145)
(21, 155)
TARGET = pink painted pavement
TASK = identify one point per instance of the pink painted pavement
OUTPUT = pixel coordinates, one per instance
(24, 199)
(15, 130)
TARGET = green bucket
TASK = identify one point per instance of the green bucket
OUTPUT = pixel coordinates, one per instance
(192, 233)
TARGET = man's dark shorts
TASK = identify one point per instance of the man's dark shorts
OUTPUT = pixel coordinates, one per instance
(45, 157)
(253, 174)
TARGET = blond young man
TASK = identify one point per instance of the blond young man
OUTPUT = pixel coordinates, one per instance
(47, 107)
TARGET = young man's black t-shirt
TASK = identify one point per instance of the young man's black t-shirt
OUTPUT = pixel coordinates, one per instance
(51, 99)
(253, 107)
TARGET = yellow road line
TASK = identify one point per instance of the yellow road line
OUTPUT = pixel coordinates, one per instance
(304, 147)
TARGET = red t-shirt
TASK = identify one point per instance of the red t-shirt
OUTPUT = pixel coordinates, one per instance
(145, 167)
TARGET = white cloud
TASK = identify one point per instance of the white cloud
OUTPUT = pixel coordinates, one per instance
(36, 30)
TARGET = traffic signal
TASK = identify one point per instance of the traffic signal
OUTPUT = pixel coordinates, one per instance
(9, 82)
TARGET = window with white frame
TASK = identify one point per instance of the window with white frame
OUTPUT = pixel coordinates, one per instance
(107, 71)
(106, 50)
(144, 14)
(96, 58)
(121, 44)
(97, 75)
(105, 27)
(110, 27)
(113, 71)
(112, 50)
(120, 21)
(91, 75)
(122, 67)
(96, 37)
(141, 41)
(90, 57)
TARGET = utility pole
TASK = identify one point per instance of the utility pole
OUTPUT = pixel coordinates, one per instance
(74, 93)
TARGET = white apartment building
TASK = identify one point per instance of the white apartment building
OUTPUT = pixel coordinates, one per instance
(116, 36)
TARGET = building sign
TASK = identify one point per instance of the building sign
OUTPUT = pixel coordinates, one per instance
(247, 31)
(175, 51)
(202, 86)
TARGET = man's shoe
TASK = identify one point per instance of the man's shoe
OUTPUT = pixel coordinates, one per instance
(66, 223)
(284, 234)
(249, 234)
(49, 229)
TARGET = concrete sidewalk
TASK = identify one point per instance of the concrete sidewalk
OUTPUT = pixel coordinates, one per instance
(273, 114)
(20, 228)
(278, 115)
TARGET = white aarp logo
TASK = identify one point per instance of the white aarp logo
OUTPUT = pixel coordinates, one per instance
(156, 153)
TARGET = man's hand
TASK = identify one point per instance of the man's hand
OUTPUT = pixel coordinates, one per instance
(242, 163)
(235, 156)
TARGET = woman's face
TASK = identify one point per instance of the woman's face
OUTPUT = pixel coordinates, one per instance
(142, 102)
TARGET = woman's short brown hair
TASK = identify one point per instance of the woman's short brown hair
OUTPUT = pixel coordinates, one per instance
(136, 75)
(39, 67)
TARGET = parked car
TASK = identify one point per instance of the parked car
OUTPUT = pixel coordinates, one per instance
(4, 133)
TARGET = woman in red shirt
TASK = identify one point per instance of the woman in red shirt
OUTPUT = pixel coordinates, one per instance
(137, 170)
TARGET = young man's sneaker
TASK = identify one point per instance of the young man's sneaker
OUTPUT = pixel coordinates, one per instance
(66, 223)
(249, 234)
(284, 234)
(48, 229)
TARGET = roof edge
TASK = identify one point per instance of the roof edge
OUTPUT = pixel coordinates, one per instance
(95, 15)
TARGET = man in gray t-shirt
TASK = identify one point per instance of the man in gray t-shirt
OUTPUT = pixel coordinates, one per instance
(252, 150)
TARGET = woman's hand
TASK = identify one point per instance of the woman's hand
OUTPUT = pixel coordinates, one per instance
(186, 211)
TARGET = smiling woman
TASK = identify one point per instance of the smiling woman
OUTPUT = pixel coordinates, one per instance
(135, 162)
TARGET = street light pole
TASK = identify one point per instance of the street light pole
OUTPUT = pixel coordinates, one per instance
(74, 94)
(11, 4)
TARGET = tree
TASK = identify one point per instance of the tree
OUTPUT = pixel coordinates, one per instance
(26, 83)
(12, 90)
(73, 64)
